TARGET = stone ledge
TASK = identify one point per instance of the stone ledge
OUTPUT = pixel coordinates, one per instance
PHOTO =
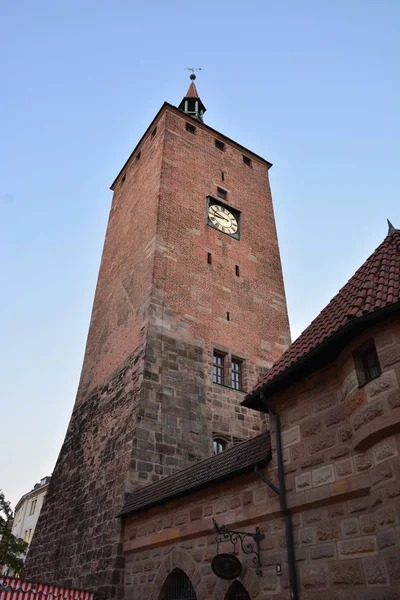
(373, 432)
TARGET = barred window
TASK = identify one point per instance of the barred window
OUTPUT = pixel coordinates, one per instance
(236, 377)
(366, 362)
(218, 368)
(177, 586)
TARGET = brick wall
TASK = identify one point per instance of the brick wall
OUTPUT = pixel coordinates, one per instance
(341, 450)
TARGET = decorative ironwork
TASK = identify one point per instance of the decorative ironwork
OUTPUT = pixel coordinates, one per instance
(242, 537)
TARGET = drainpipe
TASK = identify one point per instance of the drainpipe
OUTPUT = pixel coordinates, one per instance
(281, 491)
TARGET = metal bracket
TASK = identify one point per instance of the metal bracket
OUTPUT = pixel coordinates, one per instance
(269, 483)
(249, 548)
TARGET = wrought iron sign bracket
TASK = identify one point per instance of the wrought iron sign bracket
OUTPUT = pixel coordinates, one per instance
(234, 537)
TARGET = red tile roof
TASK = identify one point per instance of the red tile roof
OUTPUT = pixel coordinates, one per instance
(192, 91)
(374, 286)
(239, 459)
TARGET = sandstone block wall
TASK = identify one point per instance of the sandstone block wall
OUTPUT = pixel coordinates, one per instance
(342, 464)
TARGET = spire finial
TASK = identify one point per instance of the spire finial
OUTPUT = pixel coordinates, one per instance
(193, 69)
(391, 227)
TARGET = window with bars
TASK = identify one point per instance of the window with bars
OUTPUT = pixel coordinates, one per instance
(236, 374)
(237, 592)
(218, 368)
(366, 362)
(177, 586)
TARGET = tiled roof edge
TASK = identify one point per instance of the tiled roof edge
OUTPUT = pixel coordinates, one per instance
(281, 379)
(195, 487)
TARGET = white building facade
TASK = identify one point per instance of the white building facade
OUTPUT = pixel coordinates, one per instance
(28, 509)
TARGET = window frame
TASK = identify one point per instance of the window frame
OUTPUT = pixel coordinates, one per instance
(190, 128)
(219, 145)
(236, 374)
(366, 351)
(219, 368)
(219, 443)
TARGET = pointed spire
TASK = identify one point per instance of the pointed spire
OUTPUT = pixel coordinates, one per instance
(391, 227)
(191, 103)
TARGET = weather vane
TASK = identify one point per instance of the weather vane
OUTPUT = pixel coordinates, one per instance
(192, 76)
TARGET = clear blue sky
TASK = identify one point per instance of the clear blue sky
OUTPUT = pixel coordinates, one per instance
(312, 86)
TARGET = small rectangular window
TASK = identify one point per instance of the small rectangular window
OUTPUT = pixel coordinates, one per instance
(153, 133)
(222, 193)
(222, 175)
(209, 258)
(237, 270)
(366, 363)
(247, 161)
(218, 368)
(228, 316)
(220, 145)
(236, 378)
(190, 128)
(138, 155)
(123, 179)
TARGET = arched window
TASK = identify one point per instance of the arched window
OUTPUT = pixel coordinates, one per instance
(177, 586)
(237, 592)
(219, 445)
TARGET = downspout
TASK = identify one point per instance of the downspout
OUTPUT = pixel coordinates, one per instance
(281, 491)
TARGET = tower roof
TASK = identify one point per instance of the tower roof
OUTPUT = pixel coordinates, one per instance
(375, 286)
(191, 104)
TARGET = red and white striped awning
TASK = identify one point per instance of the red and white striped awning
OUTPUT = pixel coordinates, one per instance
(12, 588)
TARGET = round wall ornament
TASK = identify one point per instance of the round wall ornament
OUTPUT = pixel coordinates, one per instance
(226, 566)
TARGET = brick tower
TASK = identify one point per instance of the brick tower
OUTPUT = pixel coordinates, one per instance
(189, 311)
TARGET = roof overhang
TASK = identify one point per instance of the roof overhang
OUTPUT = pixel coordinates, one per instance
(320, 356)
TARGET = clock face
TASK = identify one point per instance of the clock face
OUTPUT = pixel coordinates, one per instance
(222, 219)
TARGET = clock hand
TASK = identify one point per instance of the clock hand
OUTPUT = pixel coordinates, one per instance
(218, 216)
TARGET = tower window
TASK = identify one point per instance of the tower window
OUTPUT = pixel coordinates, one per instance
(138, 155)
(218, 368)
(123, 179)
(153, 133)
(228, 316)
(366, 362)
(247, 161)
(209, 258)
(190, 128)
(222, 193)
(220, 145)
(219, 446)
(237, 270)
(222, 175)
(236, 377)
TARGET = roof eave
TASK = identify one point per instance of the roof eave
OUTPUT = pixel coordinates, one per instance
(196, 488)
(317, 357)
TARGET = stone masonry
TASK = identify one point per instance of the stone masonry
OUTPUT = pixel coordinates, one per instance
(146, 404)
(342, 466)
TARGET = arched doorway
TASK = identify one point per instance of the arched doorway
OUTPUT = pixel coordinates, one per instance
(177, 586)
(237, 592)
